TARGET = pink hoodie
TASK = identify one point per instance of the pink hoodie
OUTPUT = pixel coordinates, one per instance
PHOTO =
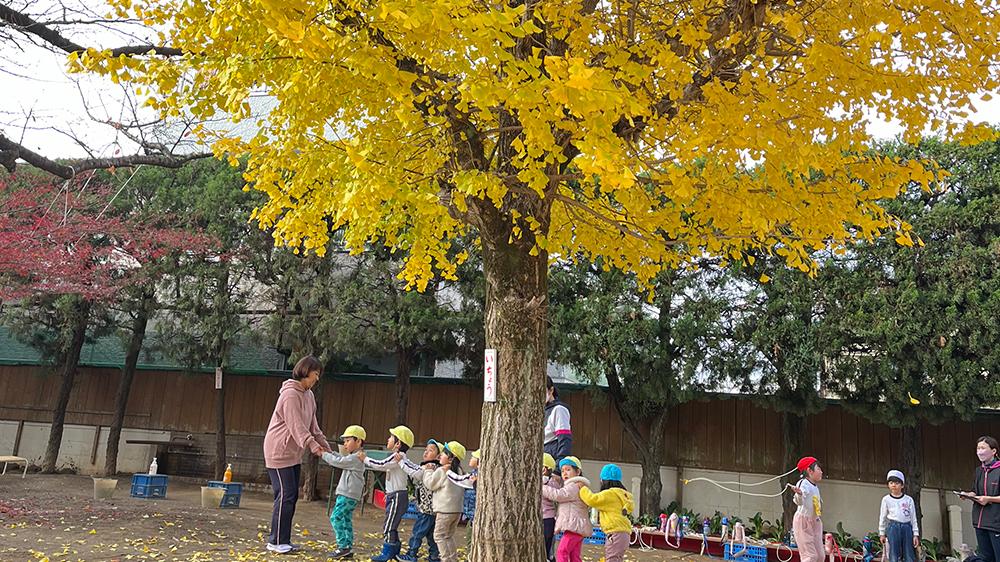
(293, 428)
(573, 515)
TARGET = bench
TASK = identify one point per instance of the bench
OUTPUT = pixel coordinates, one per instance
(11, 459)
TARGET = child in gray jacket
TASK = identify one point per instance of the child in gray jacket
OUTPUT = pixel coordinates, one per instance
(349, 489)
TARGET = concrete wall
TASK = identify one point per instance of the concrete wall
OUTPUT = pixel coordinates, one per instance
(855, 505)
(78, 446)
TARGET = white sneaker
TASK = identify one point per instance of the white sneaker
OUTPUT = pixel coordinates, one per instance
(279, 548)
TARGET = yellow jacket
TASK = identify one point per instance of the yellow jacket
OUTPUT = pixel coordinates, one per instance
(612, 505)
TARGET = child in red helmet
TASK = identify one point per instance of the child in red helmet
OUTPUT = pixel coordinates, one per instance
(807, 525)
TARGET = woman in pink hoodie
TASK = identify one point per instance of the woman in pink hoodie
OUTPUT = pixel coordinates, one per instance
(573, 518)
(292, 431)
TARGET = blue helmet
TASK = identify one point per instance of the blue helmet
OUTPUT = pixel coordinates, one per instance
(611, 472)
(570, 461)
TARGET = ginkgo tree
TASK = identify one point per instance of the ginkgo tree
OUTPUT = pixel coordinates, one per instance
(638, 132)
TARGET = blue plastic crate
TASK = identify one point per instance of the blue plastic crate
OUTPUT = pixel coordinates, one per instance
(149, 486)
(598, 537)
(469, 505)
(234, 490)
(411, 511)
(751, 554)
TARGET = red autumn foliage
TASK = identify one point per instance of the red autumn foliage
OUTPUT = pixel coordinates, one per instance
(68, 237)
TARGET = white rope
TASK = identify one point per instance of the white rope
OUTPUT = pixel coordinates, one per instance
(778, 495)
(638, 539)
(666, 539)
(742, 484)
(739, 534)
(791, 553)
(122, 188)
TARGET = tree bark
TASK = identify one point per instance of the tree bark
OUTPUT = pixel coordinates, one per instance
(404, 367)
(125, 382)
(220, 428)
(81, 317)
(508, 516)
(792, 433)
(649, 446)
(651, 451)
(913, 466)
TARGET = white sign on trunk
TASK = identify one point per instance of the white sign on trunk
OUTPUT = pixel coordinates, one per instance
(218, 378)
(490, 376)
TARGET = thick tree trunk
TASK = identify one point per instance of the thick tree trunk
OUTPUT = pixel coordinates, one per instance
(220, 428)
(913, 465)
(310, 462)
(651, 451)
(221, 304)
(80, 319)
(508, 515)
(125, 382)
(404, 367)
(792, 437)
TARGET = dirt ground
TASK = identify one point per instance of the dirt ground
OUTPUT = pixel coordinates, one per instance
(55, 518)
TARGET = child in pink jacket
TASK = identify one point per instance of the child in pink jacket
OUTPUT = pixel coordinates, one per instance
(573, 520)
(552, 480)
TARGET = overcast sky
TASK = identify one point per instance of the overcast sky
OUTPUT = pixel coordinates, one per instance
(42, 102)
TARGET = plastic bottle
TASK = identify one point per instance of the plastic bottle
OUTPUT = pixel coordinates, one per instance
(153, 467)
(663, 523)
(228, 476)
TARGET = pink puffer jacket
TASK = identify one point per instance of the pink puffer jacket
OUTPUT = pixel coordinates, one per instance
(574, 515)
(549, 506)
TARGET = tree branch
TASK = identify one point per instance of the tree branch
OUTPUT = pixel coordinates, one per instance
(10, 151)
(26, 24)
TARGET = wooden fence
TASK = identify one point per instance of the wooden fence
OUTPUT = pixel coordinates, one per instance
(731, 433)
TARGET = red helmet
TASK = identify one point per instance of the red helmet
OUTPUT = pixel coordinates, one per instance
(805, 462)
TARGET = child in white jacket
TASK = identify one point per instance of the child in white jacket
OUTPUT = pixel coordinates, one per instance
(448, 496)
(897, 521)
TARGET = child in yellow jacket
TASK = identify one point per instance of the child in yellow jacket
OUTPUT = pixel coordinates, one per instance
(613, 504)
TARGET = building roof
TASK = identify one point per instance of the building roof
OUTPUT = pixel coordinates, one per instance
(247, 357)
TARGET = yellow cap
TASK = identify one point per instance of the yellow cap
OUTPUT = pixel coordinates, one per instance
(457, 449)
(475, 454)
(355, 431)
(548, 461)
(402, 433)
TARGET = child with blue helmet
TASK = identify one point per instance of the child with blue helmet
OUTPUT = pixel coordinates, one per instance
(573, 518)
(613, 504)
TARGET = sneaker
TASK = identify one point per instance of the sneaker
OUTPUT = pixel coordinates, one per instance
(407, 557)
(295, 547)
(280, 548)
(341, 554)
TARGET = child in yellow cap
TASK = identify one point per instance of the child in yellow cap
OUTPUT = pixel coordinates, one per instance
(352, 483)
(448, 497)
(423, 529)
(396, 489)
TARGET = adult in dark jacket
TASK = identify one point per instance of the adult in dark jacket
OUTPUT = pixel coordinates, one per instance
(985, 498)
(558, 435)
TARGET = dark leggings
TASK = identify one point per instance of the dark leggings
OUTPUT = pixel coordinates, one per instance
(549, 529)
